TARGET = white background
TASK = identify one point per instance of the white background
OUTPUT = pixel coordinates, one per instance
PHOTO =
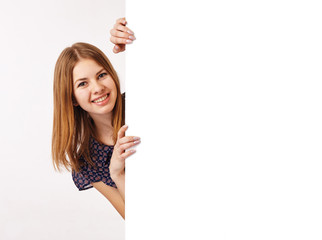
(36, 202)
(226, 96)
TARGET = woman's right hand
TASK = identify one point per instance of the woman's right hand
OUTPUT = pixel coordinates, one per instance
(121, 35)
(122, 151)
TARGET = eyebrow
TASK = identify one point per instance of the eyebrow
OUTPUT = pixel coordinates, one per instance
(81, 79)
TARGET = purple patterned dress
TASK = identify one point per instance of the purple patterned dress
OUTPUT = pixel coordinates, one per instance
(100, 155)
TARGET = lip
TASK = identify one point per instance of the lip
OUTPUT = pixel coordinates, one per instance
(104, 101)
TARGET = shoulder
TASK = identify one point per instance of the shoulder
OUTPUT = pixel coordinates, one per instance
(100, 153)
(96, 171)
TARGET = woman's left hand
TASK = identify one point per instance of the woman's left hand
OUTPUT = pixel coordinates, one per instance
(121, 35)
(123, 143)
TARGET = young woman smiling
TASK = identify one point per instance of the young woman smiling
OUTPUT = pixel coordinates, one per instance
(88, 129)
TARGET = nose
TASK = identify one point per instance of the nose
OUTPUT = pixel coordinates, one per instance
(97, 88)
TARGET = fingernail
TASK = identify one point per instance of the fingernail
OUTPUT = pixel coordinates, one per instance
(130, 32)
(129, 41)
(125, 126)
(132, 37)
(138, 141)
(136, 138)
(133, 150)
(117, 47)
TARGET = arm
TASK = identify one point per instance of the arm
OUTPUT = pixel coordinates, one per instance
(120, 153)
(120, 36)
(119, 179)
(113, 195)
(117, 171)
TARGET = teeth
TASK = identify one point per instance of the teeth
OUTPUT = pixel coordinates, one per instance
(100, 99)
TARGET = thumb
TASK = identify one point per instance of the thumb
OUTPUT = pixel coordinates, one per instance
(121, 132)
(116, 49)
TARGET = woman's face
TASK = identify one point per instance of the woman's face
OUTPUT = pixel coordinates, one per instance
(94, 89)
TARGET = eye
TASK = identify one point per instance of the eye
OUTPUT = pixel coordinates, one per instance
(102, 75)
(81, 84)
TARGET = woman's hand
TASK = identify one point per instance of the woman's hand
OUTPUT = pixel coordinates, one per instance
(123, 143)
(121, 35)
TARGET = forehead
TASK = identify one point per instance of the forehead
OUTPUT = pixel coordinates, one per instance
(85, 68)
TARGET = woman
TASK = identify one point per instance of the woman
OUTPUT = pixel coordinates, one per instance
(88, 129)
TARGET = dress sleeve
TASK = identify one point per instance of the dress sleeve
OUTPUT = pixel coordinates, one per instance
(100, 156)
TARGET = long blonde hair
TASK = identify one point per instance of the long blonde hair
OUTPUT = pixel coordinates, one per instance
(72, 126)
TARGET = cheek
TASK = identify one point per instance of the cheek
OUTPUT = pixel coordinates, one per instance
(110, 83)
(113, 86)
(81, 96)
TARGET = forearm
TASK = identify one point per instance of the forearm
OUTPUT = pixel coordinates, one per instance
(113, 195)
(119, 179)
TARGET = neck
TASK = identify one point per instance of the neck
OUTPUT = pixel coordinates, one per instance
(104, 128)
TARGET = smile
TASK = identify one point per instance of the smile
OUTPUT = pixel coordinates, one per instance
(101, 99)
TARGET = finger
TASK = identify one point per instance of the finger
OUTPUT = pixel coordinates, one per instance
(116, 40)
(121, 21)
(116, 49)
(120, 34)
(128, 139)
(122, 28)
(126, 146)
(119, 48)
(121, 132)
(128, 153)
